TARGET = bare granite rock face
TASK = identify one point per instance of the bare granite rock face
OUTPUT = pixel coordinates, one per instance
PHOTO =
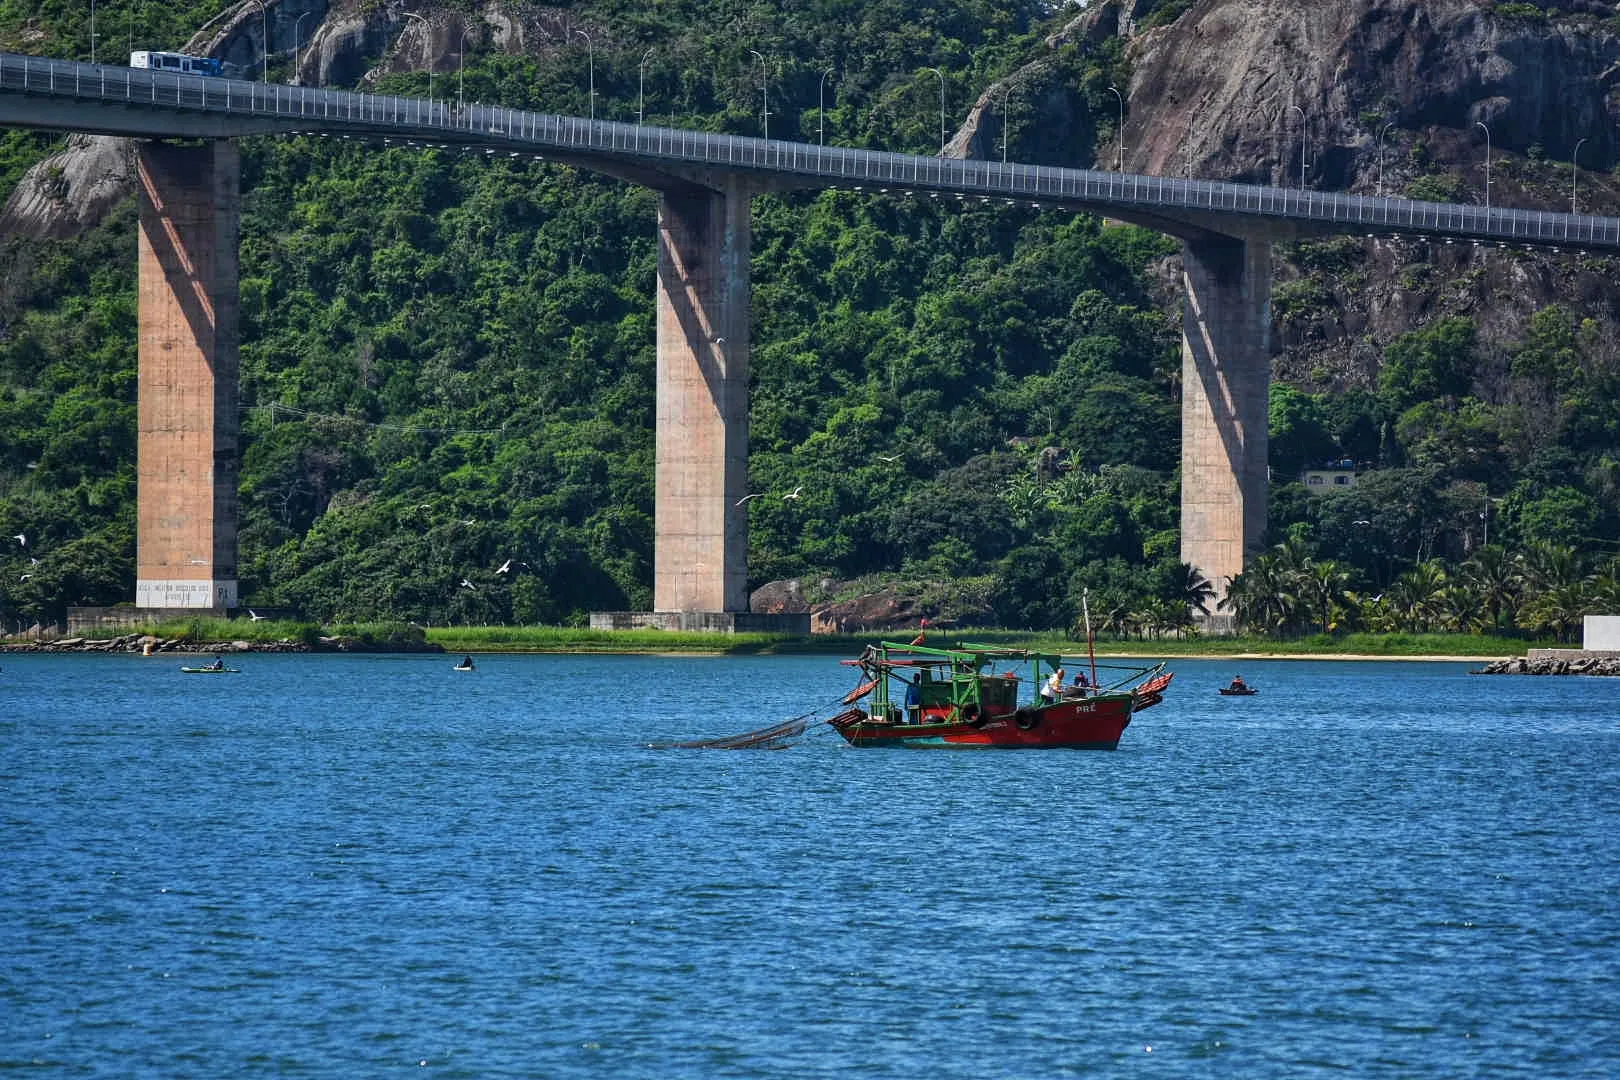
(70, 191)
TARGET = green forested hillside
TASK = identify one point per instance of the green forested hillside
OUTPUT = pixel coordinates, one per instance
(447, 363)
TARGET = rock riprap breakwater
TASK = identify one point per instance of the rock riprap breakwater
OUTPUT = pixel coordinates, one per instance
(148, 644)
(1575, 664)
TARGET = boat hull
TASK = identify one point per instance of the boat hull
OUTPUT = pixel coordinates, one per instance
(1094, 723)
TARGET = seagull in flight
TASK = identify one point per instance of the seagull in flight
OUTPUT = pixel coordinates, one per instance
(745, 498)
(890, 460)
(21, 539)
(794, 494)
(254, 616)
(505, 566)
(465, 584)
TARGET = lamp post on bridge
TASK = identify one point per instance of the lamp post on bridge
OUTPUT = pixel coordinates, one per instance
(941, 75)
(1574, 171)
(427, 60)
(590, 58)
(1119, 131)
(298, 40)
(1381, 133)
(1006, 104)
(461, 66)
(764, 96)
(1304, 145)
(821, 107)
(641, 91)
(1487, 132)
(92, 31)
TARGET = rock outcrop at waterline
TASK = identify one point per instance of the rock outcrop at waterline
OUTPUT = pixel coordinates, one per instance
(147, 644)
(1575, 663)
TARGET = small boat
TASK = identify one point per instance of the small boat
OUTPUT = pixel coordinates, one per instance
(463, 667)
(211, 670)
(1237, 691)
(927, 697)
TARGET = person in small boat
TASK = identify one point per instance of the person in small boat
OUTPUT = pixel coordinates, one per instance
(1082, 685)
(1238, 683)
(1052, 689)
(218, 664)
(466, 662)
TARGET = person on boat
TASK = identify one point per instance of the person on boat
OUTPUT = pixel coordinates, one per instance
(914, 700)
(1053, 687)
(466, 663)
(1082, 686)
(1238, 683)
(218, 664)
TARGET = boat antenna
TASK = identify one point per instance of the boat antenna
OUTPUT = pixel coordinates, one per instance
(1091, 649)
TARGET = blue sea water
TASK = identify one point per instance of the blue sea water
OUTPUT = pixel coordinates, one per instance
(359, 866)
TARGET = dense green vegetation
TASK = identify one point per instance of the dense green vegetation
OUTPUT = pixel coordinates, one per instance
(447, 363)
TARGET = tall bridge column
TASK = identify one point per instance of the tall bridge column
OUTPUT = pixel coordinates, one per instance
(1226, 379)
(700, 557)
(186, 453)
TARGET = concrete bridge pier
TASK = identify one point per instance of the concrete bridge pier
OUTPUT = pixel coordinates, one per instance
(700, 561)
(1226, 379)
(187, 428)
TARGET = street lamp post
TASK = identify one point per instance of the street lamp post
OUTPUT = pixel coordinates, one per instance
(427, 60)
(641, 91)
(1381, 133)
(461, 67)
(1006, 103)
(1574, 171)
(92, 31)
(1119, 131)
(941, 75)
(764, 97)
(1487, 132)
(821, 107)
(298, 41)
(1304, 145)
(590, 57)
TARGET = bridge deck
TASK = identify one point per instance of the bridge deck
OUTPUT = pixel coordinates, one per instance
(65, 95)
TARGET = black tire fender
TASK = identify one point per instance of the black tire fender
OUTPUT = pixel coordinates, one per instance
(1027, 719)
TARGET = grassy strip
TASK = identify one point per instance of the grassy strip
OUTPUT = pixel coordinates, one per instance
(566, 639)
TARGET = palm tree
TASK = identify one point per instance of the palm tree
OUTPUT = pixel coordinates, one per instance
(1494, 581)
(1416, 598)
(1189, 585)
(1325, 586)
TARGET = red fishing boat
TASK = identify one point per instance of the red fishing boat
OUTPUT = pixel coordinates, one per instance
(971, 696)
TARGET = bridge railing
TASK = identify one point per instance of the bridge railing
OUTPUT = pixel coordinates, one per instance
(432, 120)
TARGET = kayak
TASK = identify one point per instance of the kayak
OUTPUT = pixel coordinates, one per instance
(211, 670)
(459, 667)
(1230, 692)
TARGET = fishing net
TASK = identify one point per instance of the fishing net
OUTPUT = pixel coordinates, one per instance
(776, 737)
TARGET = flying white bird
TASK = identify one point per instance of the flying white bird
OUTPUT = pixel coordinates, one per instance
(794, 494)
(25, 577)
(886, 457)
(745, 498)
(465, 584)
(254, 616)
(505, 566)
(21, 539)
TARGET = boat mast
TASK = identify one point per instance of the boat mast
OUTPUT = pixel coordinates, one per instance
(1091, 649)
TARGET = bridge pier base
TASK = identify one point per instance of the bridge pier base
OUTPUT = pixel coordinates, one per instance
(1225, 380)
(187, 426)
(700, 557)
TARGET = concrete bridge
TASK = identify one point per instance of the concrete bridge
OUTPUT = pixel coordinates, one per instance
(189, 196)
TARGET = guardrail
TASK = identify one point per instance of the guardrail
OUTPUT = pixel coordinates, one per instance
(346, 113)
